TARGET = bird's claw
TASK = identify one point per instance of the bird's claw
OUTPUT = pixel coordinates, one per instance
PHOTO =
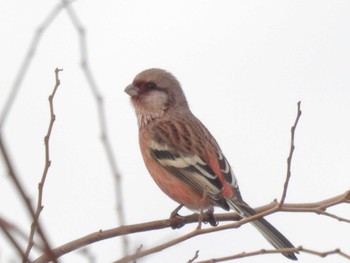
(210, 218)
(177, 221)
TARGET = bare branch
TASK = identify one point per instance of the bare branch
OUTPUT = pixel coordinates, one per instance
(326, 253)
(195, 233)
(275, 251)
(276, 207)
(317, 207)
(340, 219)
(166, 223)
(289, 159)
(39, 206)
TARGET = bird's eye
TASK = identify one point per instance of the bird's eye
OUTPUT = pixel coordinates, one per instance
(150, 85)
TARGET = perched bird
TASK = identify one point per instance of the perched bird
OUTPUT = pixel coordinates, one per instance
(182, 156)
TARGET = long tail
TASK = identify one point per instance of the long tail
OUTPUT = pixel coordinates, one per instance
(270, 233)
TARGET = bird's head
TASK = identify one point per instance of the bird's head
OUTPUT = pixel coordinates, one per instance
(155, 92)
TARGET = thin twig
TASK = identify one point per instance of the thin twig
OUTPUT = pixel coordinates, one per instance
(278, 251)
(47, 165)
(289, 159)
(101, 118)
(196, 255)
(340, 219)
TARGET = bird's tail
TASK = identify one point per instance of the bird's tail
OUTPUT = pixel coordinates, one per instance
(270, 233)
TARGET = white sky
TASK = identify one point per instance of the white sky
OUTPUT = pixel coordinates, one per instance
(243, 66)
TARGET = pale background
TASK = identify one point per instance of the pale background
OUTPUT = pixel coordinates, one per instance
(243, 66)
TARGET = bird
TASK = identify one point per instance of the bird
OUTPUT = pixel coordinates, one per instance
(182, 156)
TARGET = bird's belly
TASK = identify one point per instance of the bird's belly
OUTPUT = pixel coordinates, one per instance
(178, 190)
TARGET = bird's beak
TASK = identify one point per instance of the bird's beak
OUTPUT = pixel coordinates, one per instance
(131, 90)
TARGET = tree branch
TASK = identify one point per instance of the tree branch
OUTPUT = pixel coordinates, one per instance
(277, 251)
(167, 223)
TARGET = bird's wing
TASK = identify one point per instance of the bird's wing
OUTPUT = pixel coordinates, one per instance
(211, 173)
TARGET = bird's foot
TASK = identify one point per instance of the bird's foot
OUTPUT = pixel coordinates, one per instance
(177, 221)
(210, 218)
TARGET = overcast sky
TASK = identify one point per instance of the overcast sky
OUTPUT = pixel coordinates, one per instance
(243, 66)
